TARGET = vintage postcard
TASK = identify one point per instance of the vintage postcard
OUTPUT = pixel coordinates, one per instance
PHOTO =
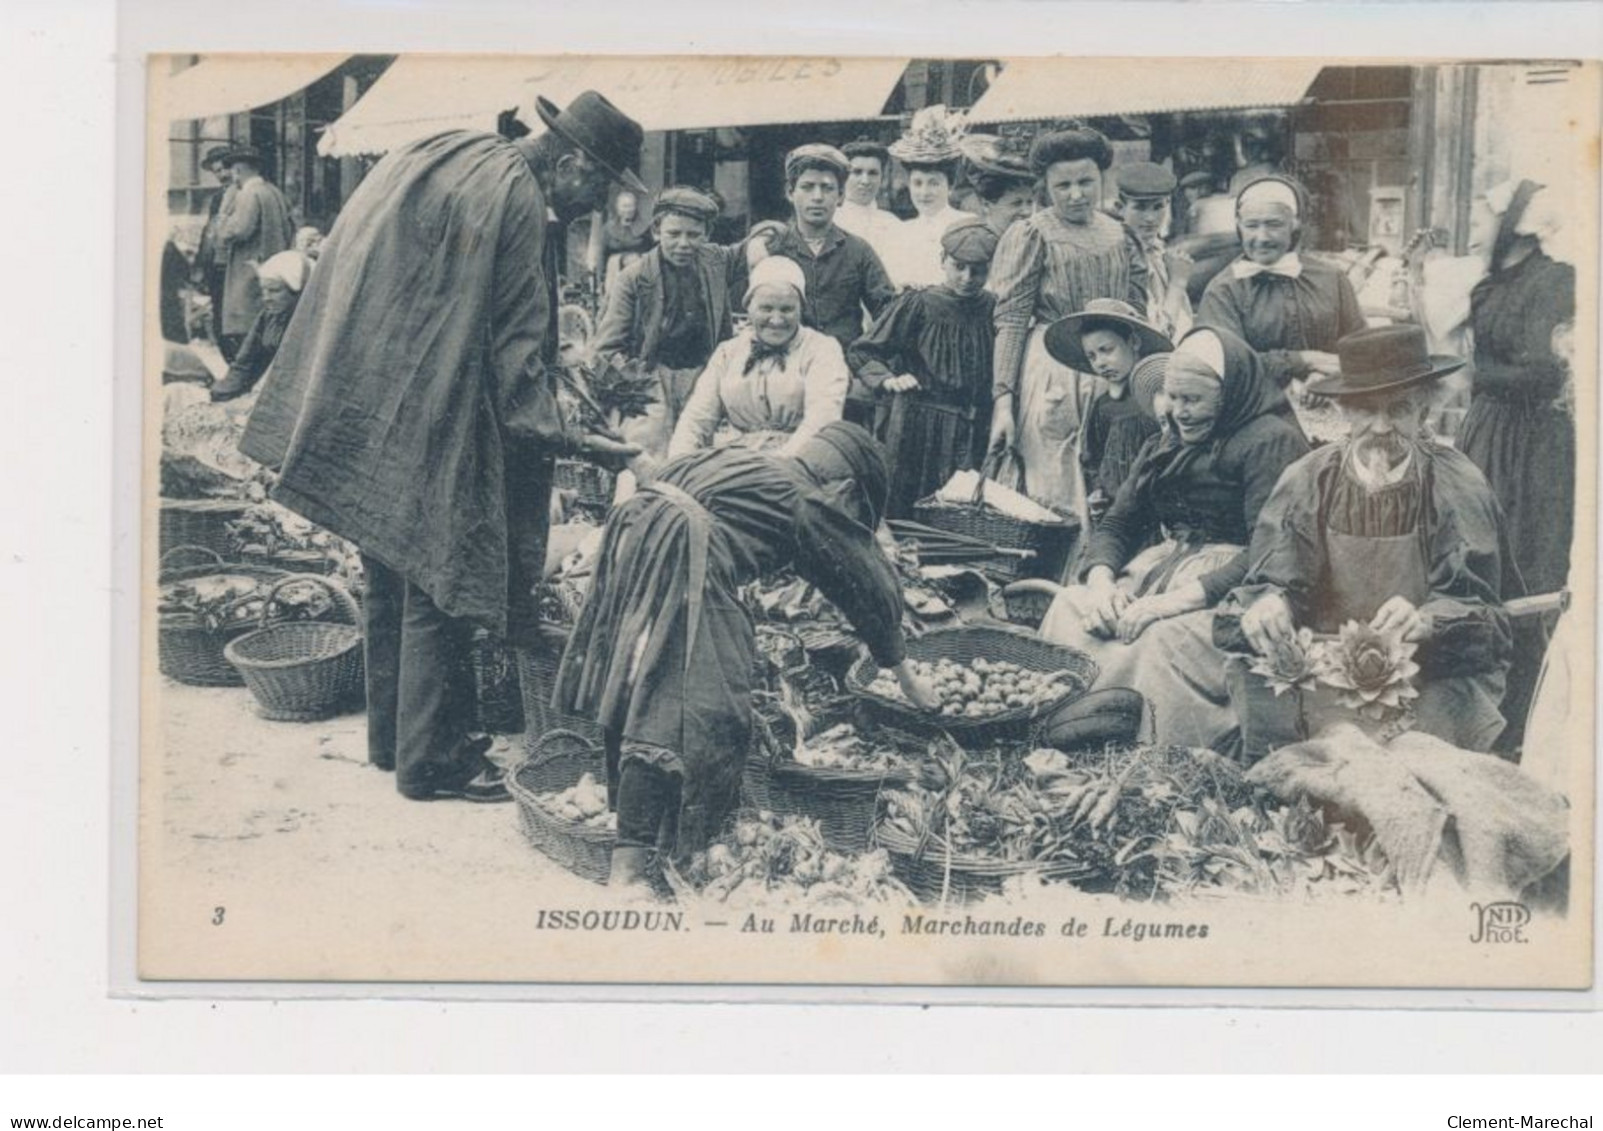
(1041, 522)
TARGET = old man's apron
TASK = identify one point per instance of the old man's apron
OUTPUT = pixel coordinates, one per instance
(1363, 573)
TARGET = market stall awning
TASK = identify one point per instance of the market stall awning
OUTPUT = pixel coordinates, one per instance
(234, 84)
(422, 94)
(1031, 89)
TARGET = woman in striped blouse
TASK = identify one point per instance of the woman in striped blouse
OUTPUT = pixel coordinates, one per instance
(1049, 266)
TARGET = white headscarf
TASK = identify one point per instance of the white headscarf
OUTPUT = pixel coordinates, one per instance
(287, 267)
(1269, 191)
(1202, 345)
(777, 270)
(1543, 217)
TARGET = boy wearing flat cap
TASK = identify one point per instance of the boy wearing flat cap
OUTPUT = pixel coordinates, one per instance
(1146, 192)
(668, 310)
(1389, 529)
(928, 358)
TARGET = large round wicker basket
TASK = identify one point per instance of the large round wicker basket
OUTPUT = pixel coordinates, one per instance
(1076, 673)
(302, 671)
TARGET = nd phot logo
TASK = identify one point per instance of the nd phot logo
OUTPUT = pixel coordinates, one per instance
(1500, 922)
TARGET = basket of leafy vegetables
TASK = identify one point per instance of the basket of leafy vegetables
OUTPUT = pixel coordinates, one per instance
(202, 607)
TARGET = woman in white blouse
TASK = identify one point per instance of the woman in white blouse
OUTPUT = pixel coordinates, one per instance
(931, 154)
(773, 384)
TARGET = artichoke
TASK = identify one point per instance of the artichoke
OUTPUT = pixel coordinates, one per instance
(1372, 670)
(1294, 665)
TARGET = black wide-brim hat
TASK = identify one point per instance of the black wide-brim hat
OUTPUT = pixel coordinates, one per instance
(246, 153)
(608, 136)
(1063, 336)
(1383, 359)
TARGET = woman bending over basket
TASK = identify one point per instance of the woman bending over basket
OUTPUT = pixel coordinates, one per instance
(663, 653)
(1196, 490)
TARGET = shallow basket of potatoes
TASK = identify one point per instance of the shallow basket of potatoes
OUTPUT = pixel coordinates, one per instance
(993, 682)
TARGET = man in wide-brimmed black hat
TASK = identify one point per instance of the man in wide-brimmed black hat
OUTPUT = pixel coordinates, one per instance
(255, 225)
(1393, 531)
(413, 411)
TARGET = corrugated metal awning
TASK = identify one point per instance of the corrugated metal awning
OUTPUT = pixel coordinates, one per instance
(423, 94)
(234, 84)
(1032, 89)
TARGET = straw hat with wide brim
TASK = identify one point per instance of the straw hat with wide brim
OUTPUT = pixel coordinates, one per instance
(608, 136)
(1146, 382)
(1063, 336)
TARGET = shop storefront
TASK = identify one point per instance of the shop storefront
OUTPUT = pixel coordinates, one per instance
(278, 105)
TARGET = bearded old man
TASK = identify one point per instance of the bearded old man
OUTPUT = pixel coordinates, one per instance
(412, 410)
(1390, 529)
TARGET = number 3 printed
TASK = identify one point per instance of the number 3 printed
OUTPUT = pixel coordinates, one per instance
(217, 916)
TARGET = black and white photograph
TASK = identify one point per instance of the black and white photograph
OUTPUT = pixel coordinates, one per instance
(803, 520)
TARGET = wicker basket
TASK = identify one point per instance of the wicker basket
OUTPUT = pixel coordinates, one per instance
(302, 671)
(937, 876)
(965, 645)
(199, 522)
(498, 692)
(592, 486)
(1049, 543)
(557, 760)
(845, 802)
(537, 679)
(189, 649)
(1027, 610)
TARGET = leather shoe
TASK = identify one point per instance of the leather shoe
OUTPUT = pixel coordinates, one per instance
(487, 787)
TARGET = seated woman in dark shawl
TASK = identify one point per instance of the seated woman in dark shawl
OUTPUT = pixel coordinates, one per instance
(663, 654)
(1141, 613)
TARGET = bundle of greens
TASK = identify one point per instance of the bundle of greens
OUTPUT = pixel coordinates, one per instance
(602, 396)
(268, 528)
(787, 599)
(1146, 822)
(784, 860)
(1263, 849)
(216, 600)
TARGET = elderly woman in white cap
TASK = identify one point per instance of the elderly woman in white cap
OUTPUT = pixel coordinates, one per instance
(1175, 541)
(776, 382)
(281, 279)
(1290, 309)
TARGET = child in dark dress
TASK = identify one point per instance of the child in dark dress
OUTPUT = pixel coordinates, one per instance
(928, 357)
(1108, 338)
